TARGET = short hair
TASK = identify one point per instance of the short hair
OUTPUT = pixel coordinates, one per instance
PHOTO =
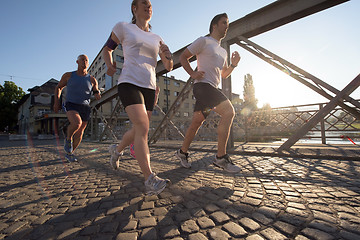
(81, 55)
(216, 20)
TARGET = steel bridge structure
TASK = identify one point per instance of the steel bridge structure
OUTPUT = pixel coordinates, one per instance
(274, 15)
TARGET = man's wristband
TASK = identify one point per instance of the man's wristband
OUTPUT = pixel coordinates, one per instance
(233, 65)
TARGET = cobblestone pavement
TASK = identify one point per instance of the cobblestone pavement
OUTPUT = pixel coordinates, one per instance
(44, 197)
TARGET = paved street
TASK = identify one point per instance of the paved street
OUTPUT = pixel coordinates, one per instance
(273, 197)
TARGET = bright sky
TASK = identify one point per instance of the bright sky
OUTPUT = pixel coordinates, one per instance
(41, 39)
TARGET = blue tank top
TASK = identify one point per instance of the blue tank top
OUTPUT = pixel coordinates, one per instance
(79, 89)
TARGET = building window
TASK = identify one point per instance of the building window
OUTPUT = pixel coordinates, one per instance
(186, 114)
(118, 71)
(120, 47)
(103, 66)
(176, 84)
(177, 114)
(166, 81)
(176, 94)
(166, 92)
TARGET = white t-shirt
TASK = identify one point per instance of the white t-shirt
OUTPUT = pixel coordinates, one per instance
(140, 54)
(211, 58)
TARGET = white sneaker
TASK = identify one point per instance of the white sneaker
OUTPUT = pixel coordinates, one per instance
(184, 159)
(115, 156)
(226, 164)
(154, 184)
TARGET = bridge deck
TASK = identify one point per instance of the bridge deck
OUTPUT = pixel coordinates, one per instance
(273, 197)
(344, 151)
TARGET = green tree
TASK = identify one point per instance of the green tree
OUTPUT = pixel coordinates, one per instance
(250, 102)
(10, 95)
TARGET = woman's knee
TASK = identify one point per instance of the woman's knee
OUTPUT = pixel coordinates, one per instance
(141, 127)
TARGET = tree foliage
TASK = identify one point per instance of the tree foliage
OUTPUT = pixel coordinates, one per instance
(10, 95)
(250, 102)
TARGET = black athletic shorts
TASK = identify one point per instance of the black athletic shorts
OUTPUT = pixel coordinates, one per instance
(131, 94)
(207, 97)
(84, 110)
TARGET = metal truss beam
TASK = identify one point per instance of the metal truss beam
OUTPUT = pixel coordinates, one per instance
(171, 112)
(352, 86)
(299, 74)
(267, 18)
(105, 97)
(109, 125)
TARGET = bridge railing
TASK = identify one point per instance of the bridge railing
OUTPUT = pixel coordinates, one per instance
(273, 124)
(262, 125)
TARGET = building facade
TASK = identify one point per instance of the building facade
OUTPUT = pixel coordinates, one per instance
(35, 112)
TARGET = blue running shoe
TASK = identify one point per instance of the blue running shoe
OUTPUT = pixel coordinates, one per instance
(68, 146)
(70, 157)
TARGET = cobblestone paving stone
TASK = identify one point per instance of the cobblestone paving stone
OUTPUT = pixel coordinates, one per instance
(44, 197)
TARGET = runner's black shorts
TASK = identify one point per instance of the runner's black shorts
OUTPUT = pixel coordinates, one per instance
(131, 94)
(84, 110)
(207, 97)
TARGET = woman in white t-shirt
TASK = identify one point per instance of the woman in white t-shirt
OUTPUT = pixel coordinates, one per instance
(137, 84)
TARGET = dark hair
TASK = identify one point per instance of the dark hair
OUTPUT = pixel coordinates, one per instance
(216, 20)
(133, 20)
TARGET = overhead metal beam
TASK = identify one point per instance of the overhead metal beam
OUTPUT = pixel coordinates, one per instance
(299, 74)
(269, 17)
(105, 97)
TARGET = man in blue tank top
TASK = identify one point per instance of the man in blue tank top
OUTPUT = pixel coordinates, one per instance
(79, 84)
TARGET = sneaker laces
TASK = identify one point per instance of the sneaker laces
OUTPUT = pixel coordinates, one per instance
(153, 179)
(186, 155)
(228, 159)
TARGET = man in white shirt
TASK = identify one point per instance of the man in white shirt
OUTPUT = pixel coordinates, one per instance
(212, 66)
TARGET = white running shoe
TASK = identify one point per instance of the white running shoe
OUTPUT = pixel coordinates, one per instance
(155, 185)
(226, 164)
(184, 159)
(115, 156)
